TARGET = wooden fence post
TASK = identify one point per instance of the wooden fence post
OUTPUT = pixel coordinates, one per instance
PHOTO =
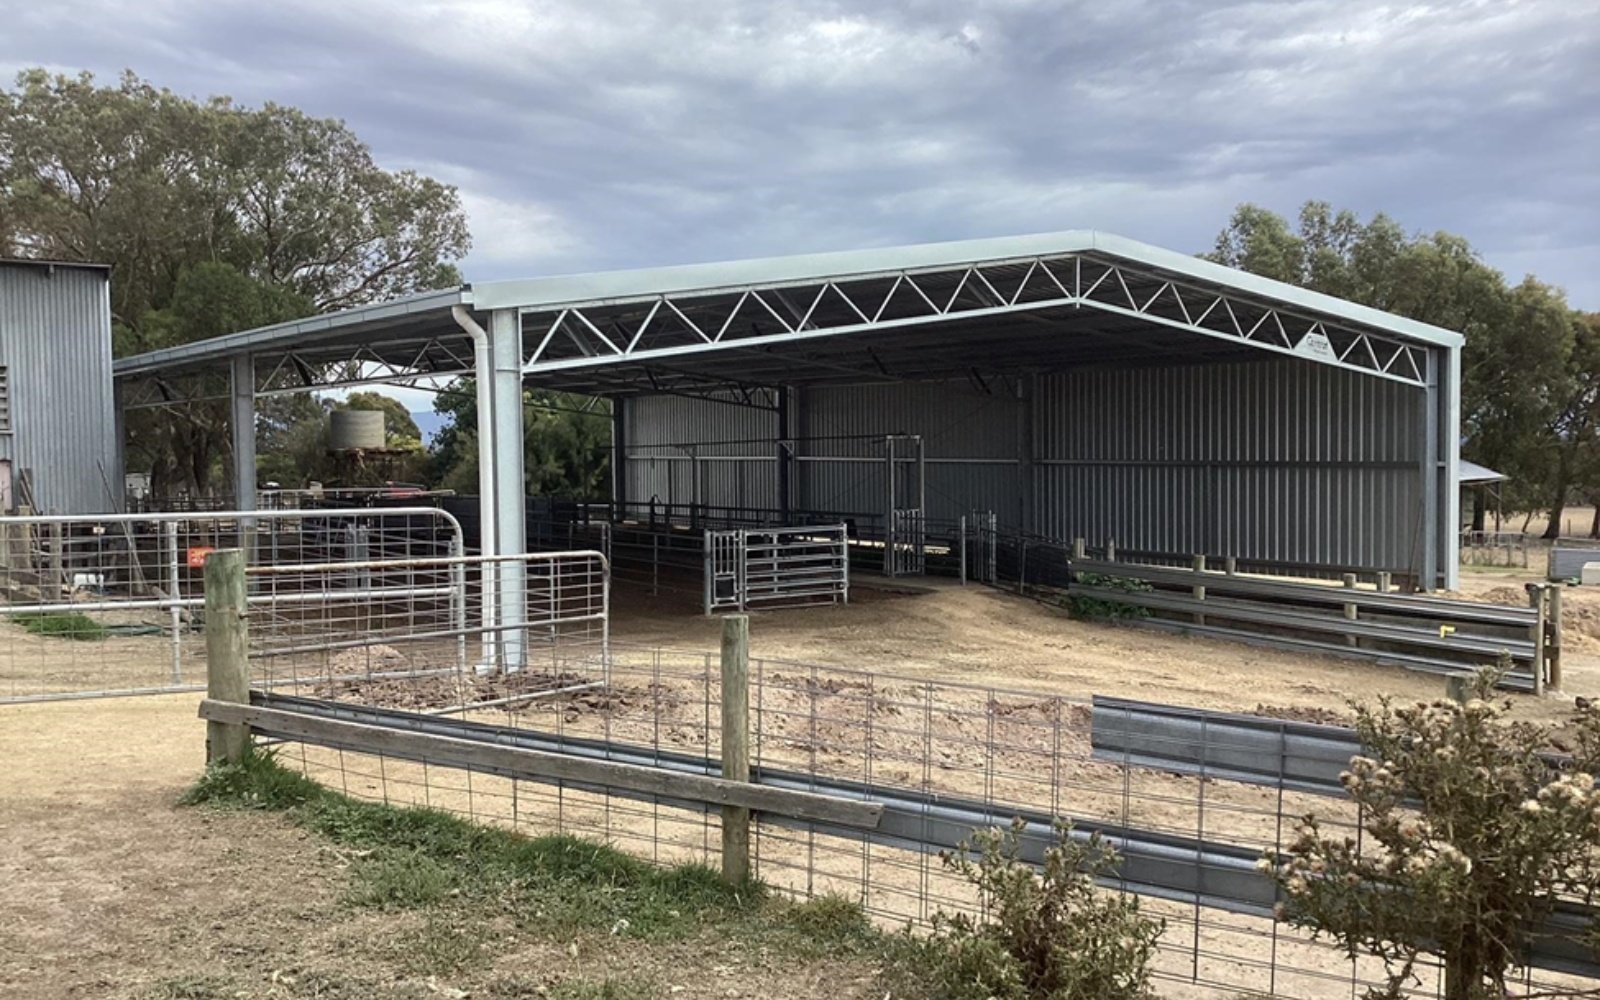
(227, 651)
(736, 744)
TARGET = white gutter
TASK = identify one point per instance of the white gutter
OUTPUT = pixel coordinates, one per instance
(488, 533)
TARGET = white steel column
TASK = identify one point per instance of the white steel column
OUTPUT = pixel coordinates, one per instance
(243, 426)
(1449, 475)
(242, 421)
(505, 335)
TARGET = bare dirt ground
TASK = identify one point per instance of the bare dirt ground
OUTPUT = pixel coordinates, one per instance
(979, 635)
(111, 890)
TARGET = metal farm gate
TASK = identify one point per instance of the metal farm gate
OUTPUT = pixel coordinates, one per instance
(776, 566)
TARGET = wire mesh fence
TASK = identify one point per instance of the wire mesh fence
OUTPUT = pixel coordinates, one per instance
(440, 634)
(111, 604)
(944, 758)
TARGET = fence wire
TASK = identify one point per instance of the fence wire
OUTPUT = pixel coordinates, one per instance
(1011, 751)
(99, 605)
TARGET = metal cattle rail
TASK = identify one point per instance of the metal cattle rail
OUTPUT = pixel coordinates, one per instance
(1181, 869)
(1416, 631)
(776, 567)
(127, 587)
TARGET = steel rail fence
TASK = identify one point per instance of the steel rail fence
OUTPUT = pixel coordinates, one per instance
(107, 604)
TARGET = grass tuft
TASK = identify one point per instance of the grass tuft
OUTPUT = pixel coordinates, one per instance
(401, 879)
(62, 625)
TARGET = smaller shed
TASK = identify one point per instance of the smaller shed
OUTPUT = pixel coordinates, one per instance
(59, 450)
(1483, 483)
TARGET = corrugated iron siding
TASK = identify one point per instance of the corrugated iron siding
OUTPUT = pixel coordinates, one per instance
(1278, 461)
(55, 338)
(969, 434)
(736, 469)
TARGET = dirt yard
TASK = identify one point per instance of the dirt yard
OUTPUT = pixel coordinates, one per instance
(979, 635)
(111, 890)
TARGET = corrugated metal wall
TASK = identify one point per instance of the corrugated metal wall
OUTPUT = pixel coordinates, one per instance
(1276, 461)
(737, 466)
(55, 339)
(969, 443)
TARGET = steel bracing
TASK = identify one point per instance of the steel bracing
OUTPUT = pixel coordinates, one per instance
(662, 327)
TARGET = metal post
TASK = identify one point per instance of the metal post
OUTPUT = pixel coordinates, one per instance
(889, 525)
(1199, 588)
(708, 581)
(1350, 610)
(243, 426)
(963, 530)
(505, 327)
(694, 487)
(1449, 465)
(736, 744)
(1025, 455)
(227, 652)
(619, 452)
(1537, 599)
(1428, 477)
(175, 613)
(785, 455)
(1553, 646)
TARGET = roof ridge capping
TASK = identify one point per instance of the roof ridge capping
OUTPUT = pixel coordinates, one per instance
(601, 286)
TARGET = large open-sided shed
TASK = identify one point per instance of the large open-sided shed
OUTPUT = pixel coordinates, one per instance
(1075, 384)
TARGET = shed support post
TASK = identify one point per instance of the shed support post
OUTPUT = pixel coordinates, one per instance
(619, 457)
(1441, 510)
(505, 336)
(1025, 456)
(1449, 467)
(119, 459)
(242, 423)
(785, 455)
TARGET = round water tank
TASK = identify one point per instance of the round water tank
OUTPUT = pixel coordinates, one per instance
(352, 429)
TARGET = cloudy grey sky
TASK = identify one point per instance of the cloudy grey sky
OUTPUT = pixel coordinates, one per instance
(588, 135)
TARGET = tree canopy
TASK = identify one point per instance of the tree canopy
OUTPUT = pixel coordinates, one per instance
(1529, 383)
(565, 452)
(215, 217)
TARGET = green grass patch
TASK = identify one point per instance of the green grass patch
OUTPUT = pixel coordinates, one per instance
(606, 989)
(419, 858)
(462, 877)
(62, 625)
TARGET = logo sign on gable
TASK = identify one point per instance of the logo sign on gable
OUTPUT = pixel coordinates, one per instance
(1316, 345)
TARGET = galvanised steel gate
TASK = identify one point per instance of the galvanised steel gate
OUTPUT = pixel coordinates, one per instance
(777, 567)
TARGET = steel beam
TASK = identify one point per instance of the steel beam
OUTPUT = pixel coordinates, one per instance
(510, 494)
(242, 423)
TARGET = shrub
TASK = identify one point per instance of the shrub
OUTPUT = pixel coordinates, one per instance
(55, 625)
(1048, 933)
(1099, 608)
(1473, 834)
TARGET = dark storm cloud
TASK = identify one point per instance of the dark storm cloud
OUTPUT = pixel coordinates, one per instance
(590, 135)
